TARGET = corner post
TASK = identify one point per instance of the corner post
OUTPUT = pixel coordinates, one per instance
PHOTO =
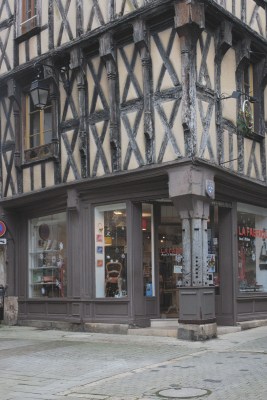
(141, 41)
(189, 23)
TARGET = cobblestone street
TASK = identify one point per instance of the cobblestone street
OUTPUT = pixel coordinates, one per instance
(48, 364)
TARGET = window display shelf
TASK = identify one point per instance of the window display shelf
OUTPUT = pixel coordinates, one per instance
(45, 267)
(45, 251)
(43, 283)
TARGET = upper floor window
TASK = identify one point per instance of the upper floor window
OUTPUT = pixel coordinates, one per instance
(28, 15)
(248, 80)
(38, 132)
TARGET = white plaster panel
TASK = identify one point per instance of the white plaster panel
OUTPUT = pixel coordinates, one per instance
(124, 142)
(44, 41)
(103, 5)
(258, 158)
(238, 9)
(250, 8)
(212, 132)
(26, 180)
(33, 47)
(179, 131)
(75, 95)
(87, 13)
(22, 53)
(262, 17)
(6, 101)
(37, 178)
(44, 12)
(71, 176)
(49, 174)
(71, 17)
(226, 148)
(64, 155)
(4, 175)
(4, 35)
(140, 140)
(169, 154)
(63, 98)
(209, 61)
(4, 14)
(132, 94)
(106, 149)
(175, 58)
(229, 5)
(228, 85)
(77, 156)
(235, 152)
(247, 150)
(91, 85)
(129, 7)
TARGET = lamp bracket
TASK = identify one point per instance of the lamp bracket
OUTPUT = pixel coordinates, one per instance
(54, 73)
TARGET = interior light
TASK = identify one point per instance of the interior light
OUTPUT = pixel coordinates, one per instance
(118, 212)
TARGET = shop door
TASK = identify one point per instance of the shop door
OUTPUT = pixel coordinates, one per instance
(170, 261)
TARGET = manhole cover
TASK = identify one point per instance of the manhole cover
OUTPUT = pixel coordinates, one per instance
(183, 393)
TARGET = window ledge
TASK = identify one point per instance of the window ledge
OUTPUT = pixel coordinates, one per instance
(27, 35)
(36, 155)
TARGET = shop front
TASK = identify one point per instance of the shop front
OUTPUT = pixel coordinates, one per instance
(125, 254)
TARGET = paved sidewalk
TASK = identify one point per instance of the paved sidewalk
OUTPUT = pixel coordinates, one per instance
(47, 364)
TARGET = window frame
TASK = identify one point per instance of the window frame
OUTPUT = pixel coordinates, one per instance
(41, 131)
(21, 32)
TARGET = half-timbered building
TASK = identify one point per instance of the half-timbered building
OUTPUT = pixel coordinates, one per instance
(136, 189)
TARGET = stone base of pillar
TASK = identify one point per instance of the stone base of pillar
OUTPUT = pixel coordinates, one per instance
(11, 310)
(197, 331)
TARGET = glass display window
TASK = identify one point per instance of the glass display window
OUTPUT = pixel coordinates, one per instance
(148, 249)
(252, 248)
(48, 256)
(170, 247)
(213, 249)
(111, 251)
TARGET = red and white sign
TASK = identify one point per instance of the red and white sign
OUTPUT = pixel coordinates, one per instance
(2, 229)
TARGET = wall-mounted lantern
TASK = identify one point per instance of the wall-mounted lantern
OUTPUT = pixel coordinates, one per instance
(39, 89)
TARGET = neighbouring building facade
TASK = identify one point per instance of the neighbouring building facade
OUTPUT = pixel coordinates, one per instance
(138, 189)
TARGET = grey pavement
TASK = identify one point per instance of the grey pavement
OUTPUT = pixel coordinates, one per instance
(48, 364)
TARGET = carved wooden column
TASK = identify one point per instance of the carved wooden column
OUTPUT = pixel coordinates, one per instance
(141, 41)
(14, 94)
(108, 55)
(199, 235)
(189, 23)
(52, 80)
(223, 42)
(77, 64)
(186, 237)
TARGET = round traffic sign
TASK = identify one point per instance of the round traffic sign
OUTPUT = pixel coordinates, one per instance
(2, 228)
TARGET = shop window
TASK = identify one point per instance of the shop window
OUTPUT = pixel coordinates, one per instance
(213, 249)
(170, 247)
(252, 248)
(38, 129)
(111, 251)
(48, 256)
(148, 249)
